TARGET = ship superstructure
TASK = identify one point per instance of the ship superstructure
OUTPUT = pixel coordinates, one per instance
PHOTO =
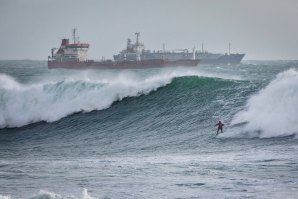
(133, 51)
(71, 52)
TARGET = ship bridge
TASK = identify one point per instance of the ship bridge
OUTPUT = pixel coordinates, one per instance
(71, 52)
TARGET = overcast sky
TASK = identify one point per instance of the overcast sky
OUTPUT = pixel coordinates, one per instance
(262, 29)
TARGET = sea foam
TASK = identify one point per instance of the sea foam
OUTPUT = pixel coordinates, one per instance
(5, 197)
(272, 112)
(50, 195)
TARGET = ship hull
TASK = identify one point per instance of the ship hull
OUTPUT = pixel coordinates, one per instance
(232, 59)
(121, 65)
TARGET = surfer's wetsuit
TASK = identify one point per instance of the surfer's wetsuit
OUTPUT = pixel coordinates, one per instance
(220, 125)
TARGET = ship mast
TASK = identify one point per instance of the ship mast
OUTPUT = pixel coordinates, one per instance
(229, 48)
(194, 53)
(74, 35)
(137, 41)
(202, 47)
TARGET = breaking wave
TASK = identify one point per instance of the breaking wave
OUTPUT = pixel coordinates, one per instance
(5, 197)
(43, 194)
(272, 112)
(52, 99)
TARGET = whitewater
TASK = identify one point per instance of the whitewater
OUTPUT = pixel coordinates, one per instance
(35, 102)
(149, 133)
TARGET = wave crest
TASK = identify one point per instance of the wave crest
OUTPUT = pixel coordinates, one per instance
(60, 95)
(272, 112)
(24, 104)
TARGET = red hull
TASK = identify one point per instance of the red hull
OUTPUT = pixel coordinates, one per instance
(158, 63)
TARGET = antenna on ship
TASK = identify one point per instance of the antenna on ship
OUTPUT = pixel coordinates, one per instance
(229, 48)
(164, 47)
(74, 35)
(194, 53)
(202, 47)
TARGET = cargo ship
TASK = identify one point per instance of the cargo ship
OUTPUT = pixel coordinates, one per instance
(75, 56)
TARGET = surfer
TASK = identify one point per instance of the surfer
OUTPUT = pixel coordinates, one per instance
(220, 125)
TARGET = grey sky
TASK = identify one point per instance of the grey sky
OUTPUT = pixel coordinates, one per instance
(263, 29)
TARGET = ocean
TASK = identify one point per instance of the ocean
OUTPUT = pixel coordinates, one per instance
(149, 133)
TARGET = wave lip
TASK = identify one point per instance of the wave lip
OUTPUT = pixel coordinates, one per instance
(272, 112)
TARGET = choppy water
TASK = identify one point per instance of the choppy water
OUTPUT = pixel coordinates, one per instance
(149, 133)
